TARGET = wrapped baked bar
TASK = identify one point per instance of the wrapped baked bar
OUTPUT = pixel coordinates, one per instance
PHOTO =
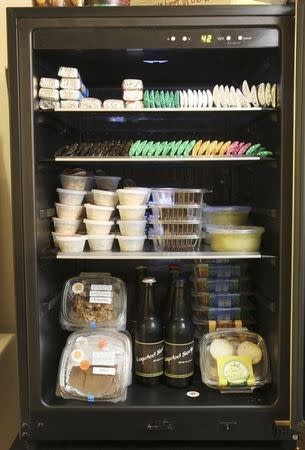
(49, 83)
(134, 105)
(48, 104)
(132, 84)
(71, 94)
(68, 72)
(69, 104)
(48, 94)
(133, 96)
(113, 104)
(75, 84)
(90, 103)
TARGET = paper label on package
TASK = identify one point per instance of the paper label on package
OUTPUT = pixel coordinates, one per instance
(107, 294)
(104, 300)
(103, 359)
(101, 287)
(103, 370)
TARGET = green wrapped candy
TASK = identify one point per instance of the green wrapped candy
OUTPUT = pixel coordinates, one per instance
(177, 100)
(162, 99)
(189, 148)
(171, 100)
(133, 148)
(175, 148)
(253, 150)
(168, 147)
(152, 150)
(140, 148)
(146, 99)
(152, 99)
(264, 154)
(182, 148)
(166, 99)
(160, 148)
(157, 100)
(147, 148)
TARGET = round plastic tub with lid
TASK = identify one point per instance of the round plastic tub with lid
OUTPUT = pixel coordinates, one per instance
(65, 226)
(172, 196)
(203, 270)
(76, 182)
(227, 215)
(107, 183)
(131, 243)
(176, 243)
(221, 285)
(176, 227)
(132, 227)
(211, 313)
(98, 227)
(70, 197)
(69, 211)
(176, 212)
(234, 361)
(105, 198)
(241, 239)
(212, 299)
(101, 243)
(71, 244)
(135, 212)
(95, 212)
(133, 196)
(96, 366)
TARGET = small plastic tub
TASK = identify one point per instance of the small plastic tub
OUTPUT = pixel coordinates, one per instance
(235, 238)
(98, 227)
(107, 183)
(132, 227)
(227, 215)
(221, 286)
(95, 212)
(101, 243)
(69, 211)
(176, 212)
(76, 182)
(136, 188)
(176, 243)
(171, 196)
(105, 198)
(176, 227)
(66, 227)
(208, 313)
(211, 299)
(203, 270)
(71, 244)
(133, 196)
(68, 197)
(132, 212)
(131, 243)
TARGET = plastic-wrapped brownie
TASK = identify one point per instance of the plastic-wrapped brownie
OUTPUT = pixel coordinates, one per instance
(93, 300)
(96, 366)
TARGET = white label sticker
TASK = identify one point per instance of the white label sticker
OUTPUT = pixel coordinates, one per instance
(103, 370)
(104, 300)
(100, 294)
(193, 394)
(103, 359)
(101, 287)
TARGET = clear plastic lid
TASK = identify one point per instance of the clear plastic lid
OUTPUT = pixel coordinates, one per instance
(96, 366)
(234, 360)
(171, 196)
(234, 229)
(215, 313)
(206, 270)
(227, 209)
(219, 286)
(226, 300)
(93, 300)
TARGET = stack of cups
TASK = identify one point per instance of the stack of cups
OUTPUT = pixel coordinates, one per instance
(133, 93)
(72, 89)
(48, 93)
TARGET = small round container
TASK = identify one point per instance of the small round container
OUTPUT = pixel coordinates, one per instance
(105, 198)
(107, 183)
(133, 196)
(76, 182)
(132, 227)
(71, 244)
(95, 212)
(70, 197)
(66, 227)
(235, 238)
(101, 243)
(69, 211)
(98, 227)
(131, 243)
(132, 212)
(227, 215)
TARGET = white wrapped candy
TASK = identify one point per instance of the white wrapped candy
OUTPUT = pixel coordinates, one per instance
(134, 105)
(70, 94)
(74, 83)
(68, 72)
(113, 104)
(69, 104)
(133, 96)
(90, 103)
(48, 94)
(48, 104)
(131, 84)
(49, 83)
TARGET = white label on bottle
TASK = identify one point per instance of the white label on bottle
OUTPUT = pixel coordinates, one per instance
(103, 370)
(100, 294)
(104, 300)
(101, 287)
(103, 359)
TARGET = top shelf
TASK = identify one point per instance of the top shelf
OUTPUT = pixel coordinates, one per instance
(158, 110)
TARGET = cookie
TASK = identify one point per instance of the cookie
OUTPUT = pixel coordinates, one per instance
(227, 96)
(231, 148)
(237, 148)
(196, 147)
(242, 150)
(162, 99)
(233, 97)
(253, 150)
(153, 149)
(133, 148)
(205, 99)
(222, 97)
(254, 99)
(268, 98)
(264, 154)
(172, 100)
(261, 94)
(200, 99)
(216, 99)
(195, 99)
(181, 96)
(168, 147)
(246, 91)
(209, 98)
(190, 98)
(185, 99)
(274, 96)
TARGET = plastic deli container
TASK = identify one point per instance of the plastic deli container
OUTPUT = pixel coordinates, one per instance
(234, 361)
(132, 212)
(143, 189)
(65, 226)
(105, 198)
(101, 243)
(71, 244)
(176, 227)
(70, 197)
(95, 212)
(219, 300)
(224, 285)
(76, 182)
(235, 239)
(107, 183)
(176, 212)
(210, 313)
(176, 243)
(69, 211)
(203, 270)
(98, 227)
(96, 366)
(171, 196)
(132, 227)
(227, 215)
(93, 300)
(131, 243)
(133, 196)
(202, 327)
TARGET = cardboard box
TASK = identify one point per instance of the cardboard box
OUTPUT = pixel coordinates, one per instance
(205, 2)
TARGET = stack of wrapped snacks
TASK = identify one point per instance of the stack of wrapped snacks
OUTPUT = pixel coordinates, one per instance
(133, 93)
(48, 93)
(72, 89)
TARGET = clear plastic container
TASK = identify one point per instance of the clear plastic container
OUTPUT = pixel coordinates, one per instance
(203, 270)
(69, 211)
(224, 285)
(171, 196)
(76, 182)
(235, 239)
(176, 227)
(176, 212)
(234, 361)
(70, 197)
(96, 366)
(227, 215)
(101, 243)
(210, 313)
(131, 243)
(132, 212)
(95, 212)
(133, 196)
(93, 300)
(207, 326)
(98, 227)
(105, 198)
(176, 243)
(65, 226)
(219, 300)
(107, 183)
(132, 227)
(71, 244)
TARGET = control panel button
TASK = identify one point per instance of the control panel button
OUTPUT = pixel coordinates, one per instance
(184, 38)
(228, 38)
(173, 38)
(240, 38)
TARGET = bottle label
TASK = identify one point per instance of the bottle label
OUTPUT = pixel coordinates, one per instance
(149, 358)
(179, 360)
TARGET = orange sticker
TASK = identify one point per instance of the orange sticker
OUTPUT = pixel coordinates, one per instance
(102, 344)
(84, 365)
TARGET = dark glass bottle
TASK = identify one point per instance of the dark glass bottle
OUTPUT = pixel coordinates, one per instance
(141, 273)
(173, 274)
(149, 342)
(179, 342)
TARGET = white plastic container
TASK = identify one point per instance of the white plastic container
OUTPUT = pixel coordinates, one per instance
(76, 182)
(66, 227)
(107, 183)
(95, 212)
(105, 198)
(70, 197)
(131, 243)
(133, 196)
(98, 227)
(136, 188)
(132, 227)
(101, 243)
(69, 211)
(71, 244)
(132, 212)
(235, 238)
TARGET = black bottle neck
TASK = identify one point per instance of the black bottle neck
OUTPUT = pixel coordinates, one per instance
(148, 303)
(179, 308)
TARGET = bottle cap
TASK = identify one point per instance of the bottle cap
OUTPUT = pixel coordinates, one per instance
(150, 280)
(180, 282)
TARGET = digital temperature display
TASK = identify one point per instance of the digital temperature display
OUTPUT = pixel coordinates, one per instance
(207, 38)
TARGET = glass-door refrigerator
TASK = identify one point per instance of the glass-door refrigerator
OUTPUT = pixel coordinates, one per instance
(204, 121)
